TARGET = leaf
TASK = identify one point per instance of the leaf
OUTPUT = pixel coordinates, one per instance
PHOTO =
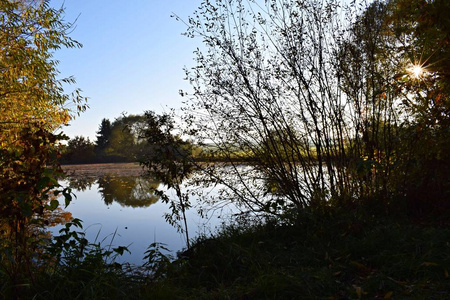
(358, 265)
(27, 211)
(428, 264)
(53, 205)
(120, 250)
(67, 193)
(43, 183)
(67, 200)
(388, 295)
(337, 273)
(358, 290)
(77, 223)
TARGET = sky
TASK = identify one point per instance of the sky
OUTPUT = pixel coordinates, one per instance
(132, 57)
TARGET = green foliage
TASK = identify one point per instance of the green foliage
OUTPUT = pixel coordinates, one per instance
(124, 139)
(404, 122)
(157, 263)
(128, 191)
(80, 269)
(72, 249)
(423, 146)
(116, 142)
(79, 150)
(340, 135)
(103, 137)
(169, 160)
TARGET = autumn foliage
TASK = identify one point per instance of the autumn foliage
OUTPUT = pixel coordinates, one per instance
(33, 106)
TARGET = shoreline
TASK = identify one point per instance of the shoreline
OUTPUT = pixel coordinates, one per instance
(101, 169)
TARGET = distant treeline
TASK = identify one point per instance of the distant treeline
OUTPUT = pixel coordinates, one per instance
(123, 140)
(117, 141)
(126, 140)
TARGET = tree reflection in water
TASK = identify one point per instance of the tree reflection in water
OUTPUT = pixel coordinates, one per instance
(80, 183)
(128, 191)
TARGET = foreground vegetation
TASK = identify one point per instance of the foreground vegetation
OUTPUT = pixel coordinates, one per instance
(346, 124)
(332, 254)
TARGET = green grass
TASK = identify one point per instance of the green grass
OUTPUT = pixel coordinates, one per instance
(321, 256)
(336, 254)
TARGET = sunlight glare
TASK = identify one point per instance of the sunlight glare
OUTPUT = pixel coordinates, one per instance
(416, 71)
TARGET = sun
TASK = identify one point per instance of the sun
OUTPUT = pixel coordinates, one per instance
(416, 71)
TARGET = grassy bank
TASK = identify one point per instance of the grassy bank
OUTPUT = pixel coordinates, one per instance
(332, 255)
(327, 255)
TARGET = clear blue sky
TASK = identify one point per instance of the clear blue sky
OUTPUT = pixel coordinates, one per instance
(132, 57)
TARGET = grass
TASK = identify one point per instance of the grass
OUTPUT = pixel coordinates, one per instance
(333, 254)
(336, 255)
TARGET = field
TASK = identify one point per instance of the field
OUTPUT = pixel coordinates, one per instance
(98, 170)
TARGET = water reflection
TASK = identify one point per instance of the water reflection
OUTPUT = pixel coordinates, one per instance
(80, 183)
(120, 208)
(128, 191)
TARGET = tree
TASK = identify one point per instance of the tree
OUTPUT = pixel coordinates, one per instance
(422, 31)
(266, 81)
(29, 89)
(366, 63)
(401, 95)
(124, 138)
(32, 106)
(103, 136)
(79, 150)
(168, 159)
(316, 100)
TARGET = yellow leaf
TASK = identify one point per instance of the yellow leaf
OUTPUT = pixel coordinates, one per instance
(358, 265)
(446, 273)
(358, 291)
(336, 273)
(388, 295)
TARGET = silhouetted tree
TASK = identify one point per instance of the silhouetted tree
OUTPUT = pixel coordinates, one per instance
(123, 141)
(168, 159)
(79, 150)
(319, 96)
(103, 136)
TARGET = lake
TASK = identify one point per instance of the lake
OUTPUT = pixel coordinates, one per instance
(118, 208)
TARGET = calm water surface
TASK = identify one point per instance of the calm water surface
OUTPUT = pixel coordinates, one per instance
(125, 205)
